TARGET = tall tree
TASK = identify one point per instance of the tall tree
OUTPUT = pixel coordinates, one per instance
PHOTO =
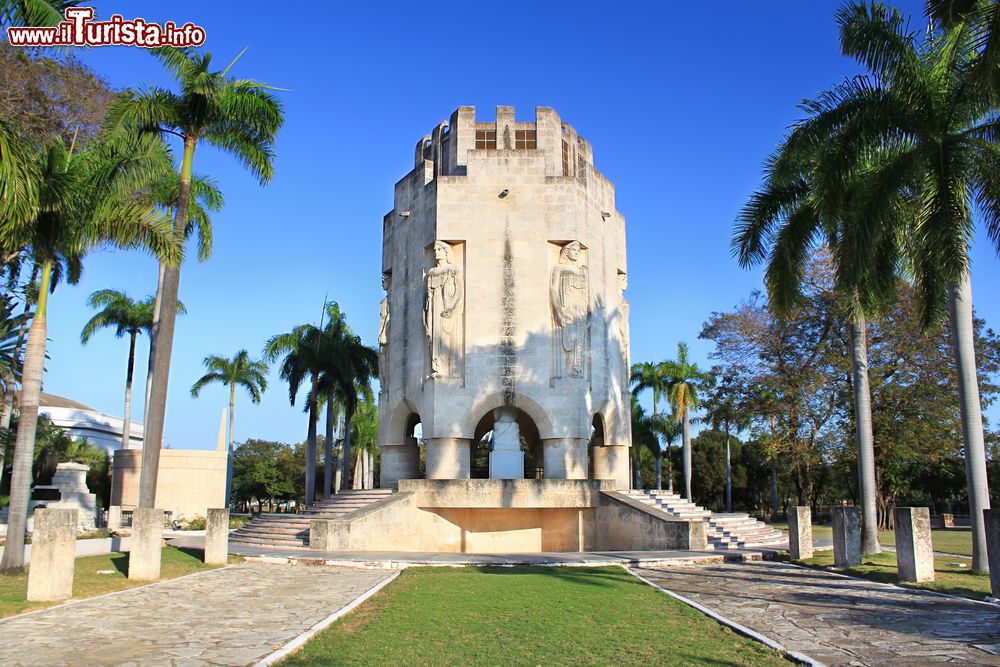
(923, 107)
(241, 371)
(724, 413)
(118, 310)
(685, 381)
(652, 376)
(87, 199)
(238, 116)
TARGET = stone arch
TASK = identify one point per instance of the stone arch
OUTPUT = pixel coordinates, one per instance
(532, 445)
(525, 404)
(400, 451)
(395, 428)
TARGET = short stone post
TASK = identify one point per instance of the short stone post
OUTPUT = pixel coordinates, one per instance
(992, 520)
(800, 533)
(846, 537)
(115, 517)
(217, 537)
(147, 535)
(53, 554)
(914, 551)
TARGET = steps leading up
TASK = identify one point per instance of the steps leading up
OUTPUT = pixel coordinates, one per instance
(724, 530)
(292, 530)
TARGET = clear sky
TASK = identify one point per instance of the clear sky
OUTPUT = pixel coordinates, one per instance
(681, 101)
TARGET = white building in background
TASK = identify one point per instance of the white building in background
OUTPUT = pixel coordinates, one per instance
(83, 421)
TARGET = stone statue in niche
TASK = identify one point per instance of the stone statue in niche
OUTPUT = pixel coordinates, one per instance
(383, 333)
(569, 291)
(443, 312)
(623, 325)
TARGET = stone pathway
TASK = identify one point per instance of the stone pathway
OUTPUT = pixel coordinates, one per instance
(840, 621)
(232, 616)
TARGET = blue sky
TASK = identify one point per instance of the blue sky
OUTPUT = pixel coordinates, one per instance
(681, 101)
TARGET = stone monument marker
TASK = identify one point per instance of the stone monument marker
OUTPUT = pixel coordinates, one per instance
(800, 539)
(914, 551)
(846, 537)
(53, 554)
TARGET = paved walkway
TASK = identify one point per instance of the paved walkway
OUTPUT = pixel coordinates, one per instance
(840, 621)
(232, 616)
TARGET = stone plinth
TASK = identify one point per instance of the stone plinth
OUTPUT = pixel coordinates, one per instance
(846, 537)
(147, 537)
(71, 481)
(114, 517)
(53, 555)
(800, 534)
(217, 537)
(914, 551)
(992, 518)
(448, 458)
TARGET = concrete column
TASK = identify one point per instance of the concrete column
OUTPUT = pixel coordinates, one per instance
(914, 552)
(992, 520)
(565, 458)
(448, 458)
(611, 462)
(147, 536)
(53, 555)
(217, 537)
(846, 536)
(800, 533)
(114, 517)
(398, 462)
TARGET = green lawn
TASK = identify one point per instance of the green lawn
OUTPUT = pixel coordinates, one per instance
(949, 541)
(527, 616)
(948, 578)
(87, 583)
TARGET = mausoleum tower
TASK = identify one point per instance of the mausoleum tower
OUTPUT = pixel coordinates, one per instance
(504, 330)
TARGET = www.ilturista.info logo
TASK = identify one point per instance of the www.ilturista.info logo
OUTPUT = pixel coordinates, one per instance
(79, 29)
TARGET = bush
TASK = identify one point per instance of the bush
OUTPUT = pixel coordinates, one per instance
(197, 523)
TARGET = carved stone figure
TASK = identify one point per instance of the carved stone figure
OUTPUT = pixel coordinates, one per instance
(383, 333)
(569, 291)
(506, 432)
(443, 312)
(623, 308)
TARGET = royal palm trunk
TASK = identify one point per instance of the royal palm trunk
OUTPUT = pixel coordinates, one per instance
(24, 447)
(866, 442)
(328, 449)
(687, 455)
(963, 345)
(729, 475)
(127, 419)
(164, 342)
(345, 479)
(152, 343)
(311, 444)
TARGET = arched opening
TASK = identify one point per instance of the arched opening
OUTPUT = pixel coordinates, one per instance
(531, 445)
(413, 441)
(596, 440)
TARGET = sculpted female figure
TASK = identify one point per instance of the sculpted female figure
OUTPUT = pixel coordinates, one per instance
(443, 312)
(569, 291)
(383, 332)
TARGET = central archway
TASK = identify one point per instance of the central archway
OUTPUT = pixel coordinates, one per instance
(531, 445)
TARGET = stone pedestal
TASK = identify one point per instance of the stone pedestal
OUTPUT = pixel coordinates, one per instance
(846, 537)
(565, 458)
(71, 481)
(800, 534)
(612, 462)
(992, 520)
(147, 536)
(53, 555)
(914, 551)
(114, 517)
(448, 458)
(399, 462)
(506, 457)
(217, 537)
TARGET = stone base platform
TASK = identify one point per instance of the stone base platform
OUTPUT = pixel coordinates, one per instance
(506, 517)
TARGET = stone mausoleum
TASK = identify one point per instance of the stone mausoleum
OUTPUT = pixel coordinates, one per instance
(504, 334)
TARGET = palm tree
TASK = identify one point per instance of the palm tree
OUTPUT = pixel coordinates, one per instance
(685, 380)
(86, 200)
(38, 13)
(10, 354)
(127, 316)
(723, 413)
(240, 370)
(204, 197)
(334, 416)
(238, 116)
(652, 376)
(669, 430)
(364, 427)
(933, 126)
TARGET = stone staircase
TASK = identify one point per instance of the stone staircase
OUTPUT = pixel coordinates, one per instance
(724, 530)
(292, 530)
